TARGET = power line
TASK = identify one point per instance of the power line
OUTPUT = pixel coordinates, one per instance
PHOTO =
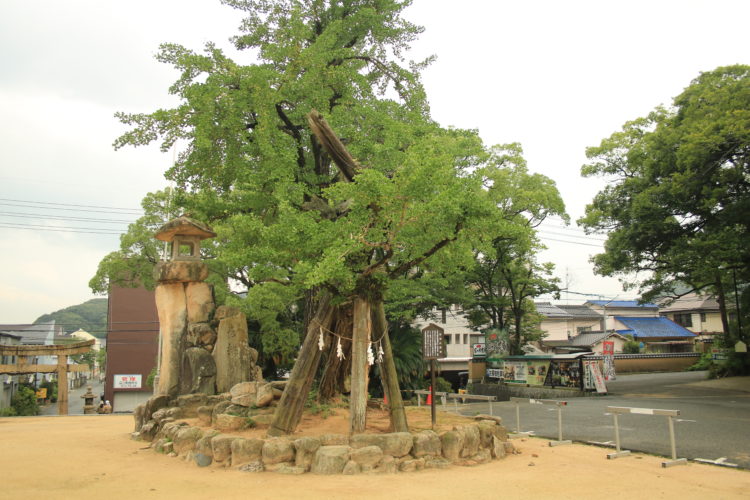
(60, 217)
(72, 205)
(32, 227)
(573, 236)
(572, 242)
(89, 210)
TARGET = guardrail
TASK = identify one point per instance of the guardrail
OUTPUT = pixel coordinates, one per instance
(476, 397)
(440, 394)
(555, 402)
(670, 414)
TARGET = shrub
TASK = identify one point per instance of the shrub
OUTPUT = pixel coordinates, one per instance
(631, 347)
(24, 402)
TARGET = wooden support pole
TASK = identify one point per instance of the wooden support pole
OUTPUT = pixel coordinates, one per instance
(62, 384)
(360, 341)
(388, 370)
(292, 403)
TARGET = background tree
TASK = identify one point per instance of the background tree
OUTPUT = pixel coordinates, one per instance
(675, 210)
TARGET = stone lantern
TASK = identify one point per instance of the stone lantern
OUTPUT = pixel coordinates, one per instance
(185, 234)
(88, 402)
(184, 263)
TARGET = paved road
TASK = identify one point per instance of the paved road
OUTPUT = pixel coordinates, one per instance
(75, 401)
(713, 423)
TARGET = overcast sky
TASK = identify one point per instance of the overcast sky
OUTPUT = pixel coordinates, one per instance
(555, 76)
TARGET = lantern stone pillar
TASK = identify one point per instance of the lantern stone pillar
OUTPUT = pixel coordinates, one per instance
(185, 304)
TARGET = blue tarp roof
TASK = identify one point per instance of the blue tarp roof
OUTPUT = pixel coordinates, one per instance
(652, 327)
(621, 303)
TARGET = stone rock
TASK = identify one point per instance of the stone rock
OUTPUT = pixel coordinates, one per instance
(426, 443)
(498, 448)
(264, 395)
(154, 403)
(256, 372)
(305, 449)
(263, 418)
(452, 442)
(396, 444)
(290, 469)
(276, 393)
(246, 450)
(500, 432)
(412, 465)
(148, 430)
(253, 467)
(367, 456)
(483, 416)
(175, 413)
(186, 438)
(351, 468)
(200, 335)
(244, 393)
(169, 430)
(221, 447)
(278, 384)
(217, 398)
(237, 410)
(482, 457)
(138, 414)
(198, 372)
(509, 448)
(189, 403)
(486, 433)
(204, 414)
(200, 302)
(436, 463)
(471, 440)
(277, 450)
(227, 422)
(219, 408)
(232, 353)
(170, 303)
(202, 460)
(225, 312)
(333, 440)
(180, 271)
(159, 415)
(203, 445)
(387, 465)
(330, 459)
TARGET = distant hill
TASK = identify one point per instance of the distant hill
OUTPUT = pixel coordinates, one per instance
(90, 316)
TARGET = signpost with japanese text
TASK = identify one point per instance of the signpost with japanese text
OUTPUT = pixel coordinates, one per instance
(433, 347)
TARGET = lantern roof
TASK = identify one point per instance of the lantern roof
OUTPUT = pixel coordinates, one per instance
(184, 226)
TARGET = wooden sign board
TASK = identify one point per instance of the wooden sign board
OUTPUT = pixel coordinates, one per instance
(433, 344)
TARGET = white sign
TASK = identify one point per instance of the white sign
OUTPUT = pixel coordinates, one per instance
(127, 381)
(478, 350)
(494, 373)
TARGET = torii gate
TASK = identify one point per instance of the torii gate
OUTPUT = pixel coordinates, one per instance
(62, 351)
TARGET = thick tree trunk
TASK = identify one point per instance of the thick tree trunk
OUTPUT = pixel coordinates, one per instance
(292, 402)
(335, 372)
(360, 341)
(388, 373)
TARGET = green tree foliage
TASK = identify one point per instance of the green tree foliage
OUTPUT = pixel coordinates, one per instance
(675, 210)
(90, 316)
(289, 220)
(24, 402)
(132, 265)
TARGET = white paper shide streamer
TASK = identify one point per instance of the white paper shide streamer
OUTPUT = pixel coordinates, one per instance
(321, 341)
(339, 350)
(380, 352)
(370, 355)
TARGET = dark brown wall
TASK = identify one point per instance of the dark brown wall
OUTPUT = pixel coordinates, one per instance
(132, 341)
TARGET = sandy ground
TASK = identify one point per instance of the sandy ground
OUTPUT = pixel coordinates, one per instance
(93, 457)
